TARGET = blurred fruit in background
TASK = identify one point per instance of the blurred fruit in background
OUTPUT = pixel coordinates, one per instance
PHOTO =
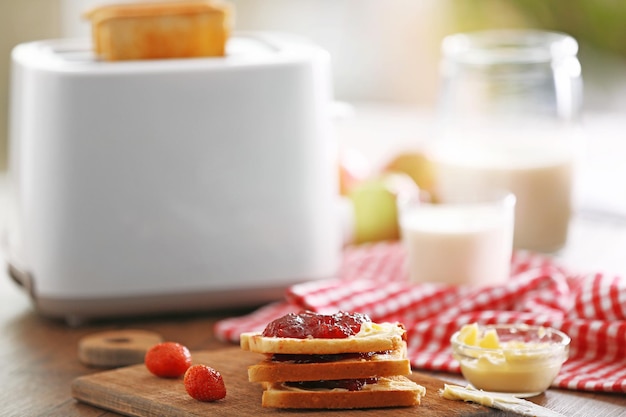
(414, 164)
(353, 169)
(374, 204)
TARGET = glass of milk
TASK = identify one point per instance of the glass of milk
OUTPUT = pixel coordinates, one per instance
(464, 240)
(508, 118)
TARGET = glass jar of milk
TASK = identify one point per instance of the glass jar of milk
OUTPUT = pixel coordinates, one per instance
(508, 116)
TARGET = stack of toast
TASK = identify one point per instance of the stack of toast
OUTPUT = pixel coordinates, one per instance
(364, 370)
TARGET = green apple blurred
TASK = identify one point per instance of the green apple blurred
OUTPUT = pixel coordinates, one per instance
(375, 211)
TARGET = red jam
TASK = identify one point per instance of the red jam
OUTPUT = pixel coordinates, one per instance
(320, 326)
(302, 358)
(349, 384)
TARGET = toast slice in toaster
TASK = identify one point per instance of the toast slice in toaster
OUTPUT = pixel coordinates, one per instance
(157, 30)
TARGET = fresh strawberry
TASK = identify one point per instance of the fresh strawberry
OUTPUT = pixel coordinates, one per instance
(168, 359)
(204, 383)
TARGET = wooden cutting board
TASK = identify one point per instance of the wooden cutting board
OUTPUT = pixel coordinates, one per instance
(133, 391)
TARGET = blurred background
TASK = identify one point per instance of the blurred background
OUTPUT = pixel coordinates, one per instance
(385, 52)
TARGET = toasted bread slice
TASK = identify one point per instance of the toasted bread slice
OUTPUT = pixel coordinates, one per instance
(160, 29)
(397, 391)
(373, 337)
(383, 364)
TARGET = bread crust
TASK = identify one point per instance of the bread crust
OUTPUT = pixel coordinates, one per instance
(394, 363)
(256, 342)
(114, 11)
(395, 391)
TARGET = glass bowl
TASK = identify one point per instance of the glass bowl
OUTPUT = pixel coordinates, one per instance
(518, 359)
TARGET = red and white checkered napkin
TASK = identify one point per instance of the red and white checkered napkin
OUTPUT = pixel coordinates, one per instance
(591, 309)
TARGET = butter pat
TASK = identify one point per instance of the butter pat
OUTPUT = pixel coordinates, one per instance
(174, 29)
(451, 392)
(387, 330)
(500, 401)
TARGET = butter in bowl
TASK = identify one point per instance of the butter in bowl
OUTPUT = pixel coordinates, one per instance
(519, 359)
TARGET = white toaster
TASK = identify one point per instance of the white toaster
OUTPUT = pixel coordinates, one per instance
(171, 185)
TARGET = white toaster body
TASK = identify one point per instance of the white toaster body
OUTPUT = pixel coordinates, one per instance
(171, 185)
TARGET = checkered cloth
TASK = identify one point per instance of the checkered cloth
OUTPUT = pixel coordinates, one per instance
(590, 308)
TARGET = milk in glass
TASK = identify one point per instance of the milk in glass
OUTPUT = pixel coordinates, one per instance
(465, 242)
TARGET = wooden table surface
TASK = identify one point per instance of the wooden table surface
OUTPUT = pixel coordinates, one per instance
(38, 357)
(39, 361)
